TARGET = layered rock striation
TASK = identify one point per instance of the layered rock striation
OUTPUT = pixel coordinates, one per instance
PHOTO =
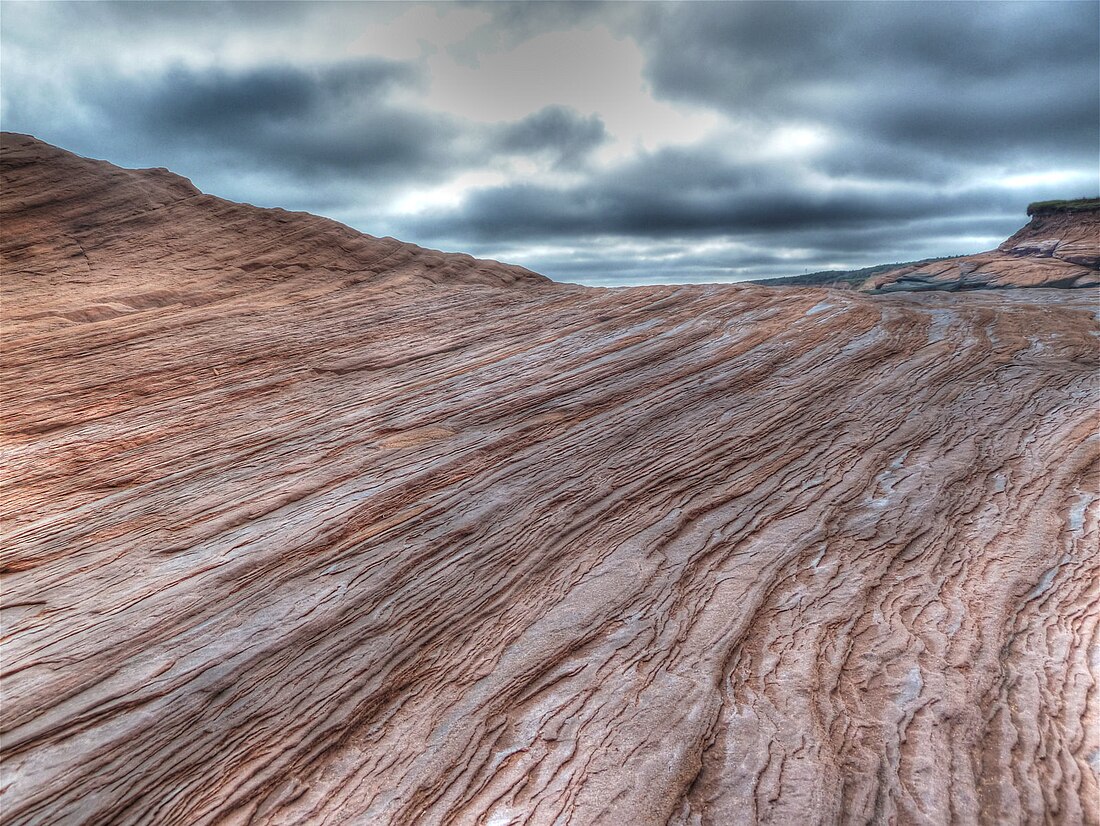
(139, 239)
(1059, 247)
(302, 526)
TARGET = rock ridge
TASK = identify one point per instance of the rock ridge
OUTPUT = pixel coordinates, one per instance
(66, 217)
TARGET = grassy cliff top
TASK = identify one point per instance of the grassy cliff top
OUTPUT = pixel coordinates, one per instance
(1075, 205)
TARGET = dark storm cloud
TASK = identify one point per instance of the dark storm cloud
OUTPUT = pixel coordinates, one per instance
(958, 78)
(308, 121)
(692, 192)
(943, 233)
(784, 218)
(218, 100)
(859, 158)
(563, 132)
(777, 50)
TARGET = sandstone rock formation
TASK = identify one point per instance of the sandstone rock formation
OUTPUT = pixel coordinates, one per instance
(302, 526)
(152, 240)
(1060, 247)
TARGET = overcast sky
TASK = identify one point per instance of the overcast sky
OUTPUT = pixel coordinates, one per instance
(605, 144)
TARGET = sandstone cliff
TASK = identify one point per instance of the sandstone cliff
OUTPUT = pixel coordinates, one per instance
(305, 527)
(1060, 247)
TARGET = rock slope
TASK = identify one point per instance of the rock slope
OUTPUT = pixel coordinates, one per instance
(148, 239)
(369, 534)
(1060, 247)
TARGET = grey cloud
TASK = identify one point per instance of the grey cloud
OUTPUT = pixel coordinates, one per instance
(956, 78)
(307, 121)
(283, 118)
(514, 22)
(776, 50)
(215, 99)
(859, 158)
(691, 192)
(561, 131)
(1013, 120)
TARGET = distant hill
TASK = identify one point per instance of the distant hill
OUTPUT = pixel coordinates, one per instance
(838, 278)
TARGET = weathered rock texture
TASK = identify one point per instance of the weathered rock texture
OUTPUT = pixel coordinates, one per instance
(305, 527)
(1058, 248)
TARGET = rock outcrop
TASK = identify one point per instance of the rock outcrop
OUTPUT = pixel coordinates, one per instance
(1060, 247)
(150, 239)
(305, 527)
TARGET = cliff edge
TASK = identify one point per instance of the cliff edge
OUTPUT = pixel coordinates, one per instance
(1059, 247)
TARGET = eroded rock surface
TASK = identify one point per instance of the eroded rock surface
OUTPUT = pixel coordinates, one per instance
(77, 229)
(1057, 248)
(369, 540)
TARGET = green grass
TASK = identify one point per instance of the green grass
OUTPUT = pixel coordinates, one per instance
(1074, 205)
